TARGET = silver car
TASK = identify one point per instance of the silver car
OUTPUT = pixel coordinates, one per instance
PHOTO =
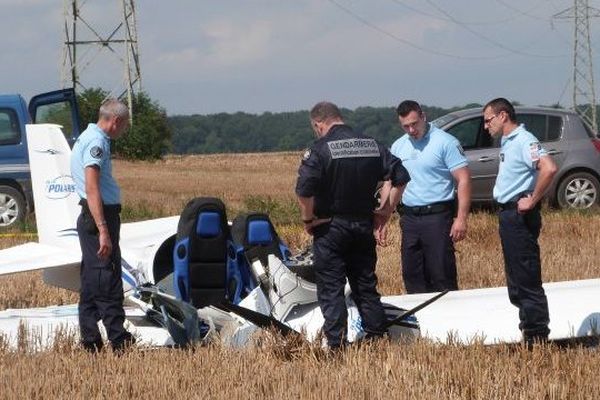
(574, 147)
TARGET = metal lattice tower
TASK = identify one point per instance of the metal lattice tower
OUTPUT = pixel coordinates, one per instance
(584, 94)
(120, 41)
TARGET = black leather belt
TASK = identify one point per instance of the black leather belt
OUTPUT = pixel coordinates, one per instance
(511, 205)
(108, 208)
(434, 208)
(351, 217)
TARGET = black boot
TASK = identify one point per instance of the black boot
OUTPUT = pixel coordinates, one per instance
(92, 347)
(122, 345)
(530, 340)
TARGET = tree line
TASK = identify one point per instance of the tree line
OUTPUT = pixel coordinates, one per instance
(154, 134)
(242, 132)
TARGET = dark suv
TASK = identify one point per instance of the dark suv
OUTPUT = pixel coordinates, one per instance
(574, 147)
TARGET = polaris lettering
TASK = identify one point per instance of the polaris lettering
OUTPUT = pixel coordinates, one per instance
(60, 187)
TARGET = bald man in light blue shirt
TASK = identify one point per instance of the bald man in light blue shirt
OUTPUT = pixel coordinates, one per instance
(92, 149)
(98, 228)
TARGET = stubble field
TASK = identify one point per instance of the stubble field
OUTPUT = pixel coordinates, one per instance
(274, 369)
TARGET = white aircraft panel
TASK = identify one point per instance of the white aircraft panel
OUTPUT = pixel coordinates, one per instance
(42, 325)
(147, 233)
(32, 256)
(487, 314)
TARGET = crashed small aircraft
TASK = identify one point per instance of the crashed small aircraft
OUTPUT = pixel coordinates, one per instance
(185, 277)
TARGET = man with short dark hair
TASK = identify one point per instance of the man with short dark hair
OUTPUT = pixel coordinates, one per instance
(435, 161)
(101, 293)
(525, 173)
(336, 185)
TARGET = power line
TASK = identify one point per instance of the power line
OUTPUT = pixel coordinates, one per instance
(487, 39)
(450, 18)
(407, 42)
(584, 94)
(486, 23)
(524, 13)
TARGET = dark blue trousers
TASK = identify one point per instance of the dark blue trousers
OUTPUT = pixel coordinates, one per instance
(427, 252)
(346, 248)
(519, 236)
(101, 293)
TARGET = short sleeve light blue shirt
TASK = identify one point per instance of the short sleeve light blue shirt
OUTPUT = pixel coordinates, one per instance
(430, 162)
(93, 148)
(519, 153)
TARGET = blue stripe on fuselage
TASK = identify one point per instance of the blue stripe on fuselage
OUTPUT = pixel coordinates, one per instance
(127, 278)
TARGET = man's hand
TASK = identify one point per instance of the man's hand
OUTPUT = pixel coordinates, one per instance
(459, 229)
(105, 248)
(525, 204)
(381, 235)
(309, 227)
(380, 220)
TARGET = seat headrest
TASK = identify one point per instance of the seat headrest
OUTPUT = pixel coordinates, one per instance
(209, 224)
(259, 233)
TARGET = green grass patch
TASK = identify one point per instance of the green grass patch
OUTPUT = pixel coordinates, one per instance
(279, 211)
(141, 211)
(27, 226)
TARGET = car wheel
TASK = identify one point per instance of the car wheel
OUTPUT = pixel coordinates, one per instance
(578, 190)
(12, 206)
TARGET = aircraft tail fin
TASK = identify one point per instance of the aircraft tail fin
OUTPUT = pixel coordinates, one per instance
(56, 201)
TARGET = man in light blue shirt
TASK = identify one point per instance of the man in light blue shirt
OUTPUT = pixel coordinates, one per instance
(98, 226)
(437, 166)
(524, 175)
(92, 149)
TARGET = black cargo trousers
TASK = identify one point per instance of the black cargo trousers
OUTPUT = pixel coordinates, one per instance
(101, 293)
(345, 247)
(427, 252)
(519, 236)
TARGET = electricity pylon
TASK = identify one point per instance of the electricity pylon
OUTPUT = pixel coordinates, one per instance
(119, 41)
(584, 94)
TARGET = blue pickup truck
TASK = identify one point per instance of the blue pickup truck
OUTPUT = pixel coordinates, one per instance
(59, 107)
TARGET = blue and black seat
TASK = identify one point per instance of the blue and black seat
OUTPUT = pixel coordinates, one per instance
(205, 266)
(255, 238)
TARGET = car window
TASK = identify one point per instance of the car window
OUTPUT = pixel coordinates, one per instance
(443, 120)
(56, 113)
(554, 128)
(546, 128)
(471, 134)
(10, 132)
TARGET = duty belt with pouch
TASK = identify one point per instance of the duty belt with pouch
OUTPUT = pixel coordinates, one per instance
(88, 220)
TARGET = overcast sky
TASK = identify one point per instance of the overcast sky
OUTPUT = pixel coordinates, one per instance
(200, 56)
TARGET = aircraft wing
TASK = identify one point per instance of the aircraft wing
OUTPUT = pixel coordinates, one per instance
(148, 233)
(486, 314)
(61, 264)
(32, 256)
(45, 324)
